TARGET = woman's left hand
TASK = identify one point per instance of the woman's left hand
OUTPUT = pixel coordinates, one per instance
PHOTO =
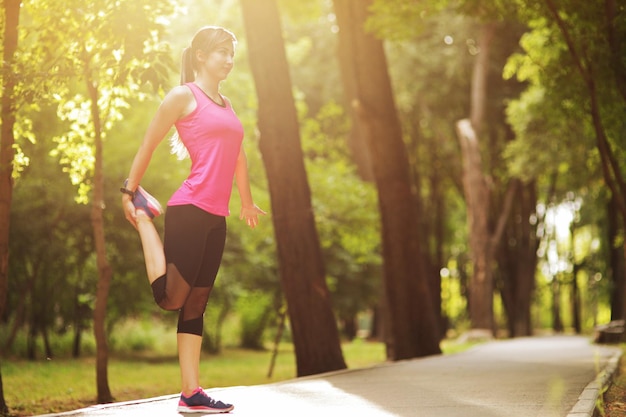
(251, 215)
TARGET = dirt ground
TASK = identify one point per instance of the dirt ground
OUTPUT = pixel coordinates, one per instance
(615, 396)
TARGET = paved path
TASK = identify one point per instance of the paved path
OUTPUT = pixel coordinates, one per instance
(556, 376)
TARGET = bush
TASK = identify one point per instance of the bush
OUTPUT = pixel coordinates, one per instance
(61, 344)
(256, 310)
(140, 336)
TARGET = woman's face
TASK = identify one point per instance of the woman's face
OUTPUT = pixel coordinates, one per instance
(219, 62)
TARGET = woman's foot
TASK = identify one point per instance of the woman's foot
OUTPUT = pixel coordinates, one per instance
(147, 203)
(200, 402)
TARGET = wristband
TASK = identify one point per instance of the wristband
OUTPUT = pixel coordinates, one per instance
(124, 190)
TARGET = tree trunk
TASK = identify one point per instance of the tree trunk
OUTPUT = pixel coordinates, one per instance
(527, 262)
(413, 325)
(104, 269)
(19, 313)
(557, 321)
(575, 301)
(431, 210)
(350, 327)
(616, 263)
(522, 299)
(79, 317)
(437, 261)
(610, 166)
(301, 266)
(360, 154)
(379, 328)
(7, 139)
(46, 342)
(518, 261)
(477, 200)
(78, 332)
(575, 292)
(478, 193)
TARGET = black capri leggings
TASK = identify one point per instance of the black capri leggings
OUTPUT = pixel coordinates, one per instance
(194, 244)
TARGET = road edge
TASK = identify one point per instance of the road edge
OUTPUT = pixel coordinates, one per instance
(586, 404)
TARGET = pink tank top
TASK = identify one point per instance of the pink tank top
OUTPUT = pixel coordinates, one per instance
(212, 134)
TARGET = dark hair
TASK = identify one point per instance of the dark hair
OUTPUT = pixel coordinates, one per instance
(205, 39)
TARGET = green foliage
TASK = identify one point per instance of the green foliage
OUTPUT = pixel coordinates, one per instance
(61, 344)
(221, 327)
(345, 212)
(51, 264)
(555, 107)
(94, 50)
(53, 276)
(556, 139)
(302, 12)
(551, 138)
(255, 309)
(311, 47)
(149, 337)
(431, 48)
(401, 19)
(454, 303)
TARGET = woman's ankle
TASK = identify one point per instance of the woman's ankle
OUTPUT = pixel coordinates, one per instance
(142, 216)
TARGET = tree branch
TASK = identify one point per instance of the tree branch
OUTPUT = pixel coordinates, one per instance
(615, 46)
(578, 61)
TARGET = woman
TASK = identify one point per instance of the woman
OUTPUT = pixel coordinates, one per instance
(182, 269)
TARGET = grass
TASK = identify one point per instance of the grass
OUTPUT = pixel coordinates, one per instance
(67, 384)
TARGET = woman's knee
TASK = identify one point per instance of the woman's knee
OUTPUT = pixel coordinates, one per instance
(168, 305)
(161, 298)
(169, 297)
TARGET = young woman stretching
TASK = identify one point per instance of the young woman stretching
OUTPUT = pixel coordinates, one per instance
(182, 269)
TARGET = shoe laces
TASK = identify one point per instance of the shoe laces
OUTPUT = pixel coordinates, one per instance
(212, 402)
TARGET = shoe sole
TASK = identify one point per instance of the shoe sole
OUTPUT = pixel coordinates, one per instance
(200, 409)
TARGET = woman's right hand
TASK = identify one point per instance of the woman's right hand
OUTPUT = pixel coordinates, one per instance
(129, 210)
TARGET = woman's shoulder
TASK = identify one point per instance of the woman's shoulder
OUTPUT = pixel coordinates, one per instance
(180, 92)
(179, 100)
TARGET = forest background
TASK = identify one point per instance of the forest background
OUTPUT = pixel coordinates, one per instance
(511, 122)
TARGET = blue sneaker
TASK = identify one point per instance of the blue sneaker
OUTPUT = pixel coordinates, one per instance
(147, 203)
(142, 200)
(200, 402)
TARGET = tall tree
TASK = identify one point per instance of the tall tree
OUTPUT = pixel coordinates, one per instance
(599, 78)
(484, 237)
(573, 61)
(301, 266)
(412, 322)
(517, 261)
(111, 66)
(8, 77)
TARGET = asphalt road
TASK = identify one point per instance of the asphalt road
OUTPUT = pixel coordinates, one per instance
(555, 376)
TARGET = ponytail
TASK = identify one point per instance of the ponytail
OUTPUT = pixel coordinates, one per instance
(187, 71)
(177, 147)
